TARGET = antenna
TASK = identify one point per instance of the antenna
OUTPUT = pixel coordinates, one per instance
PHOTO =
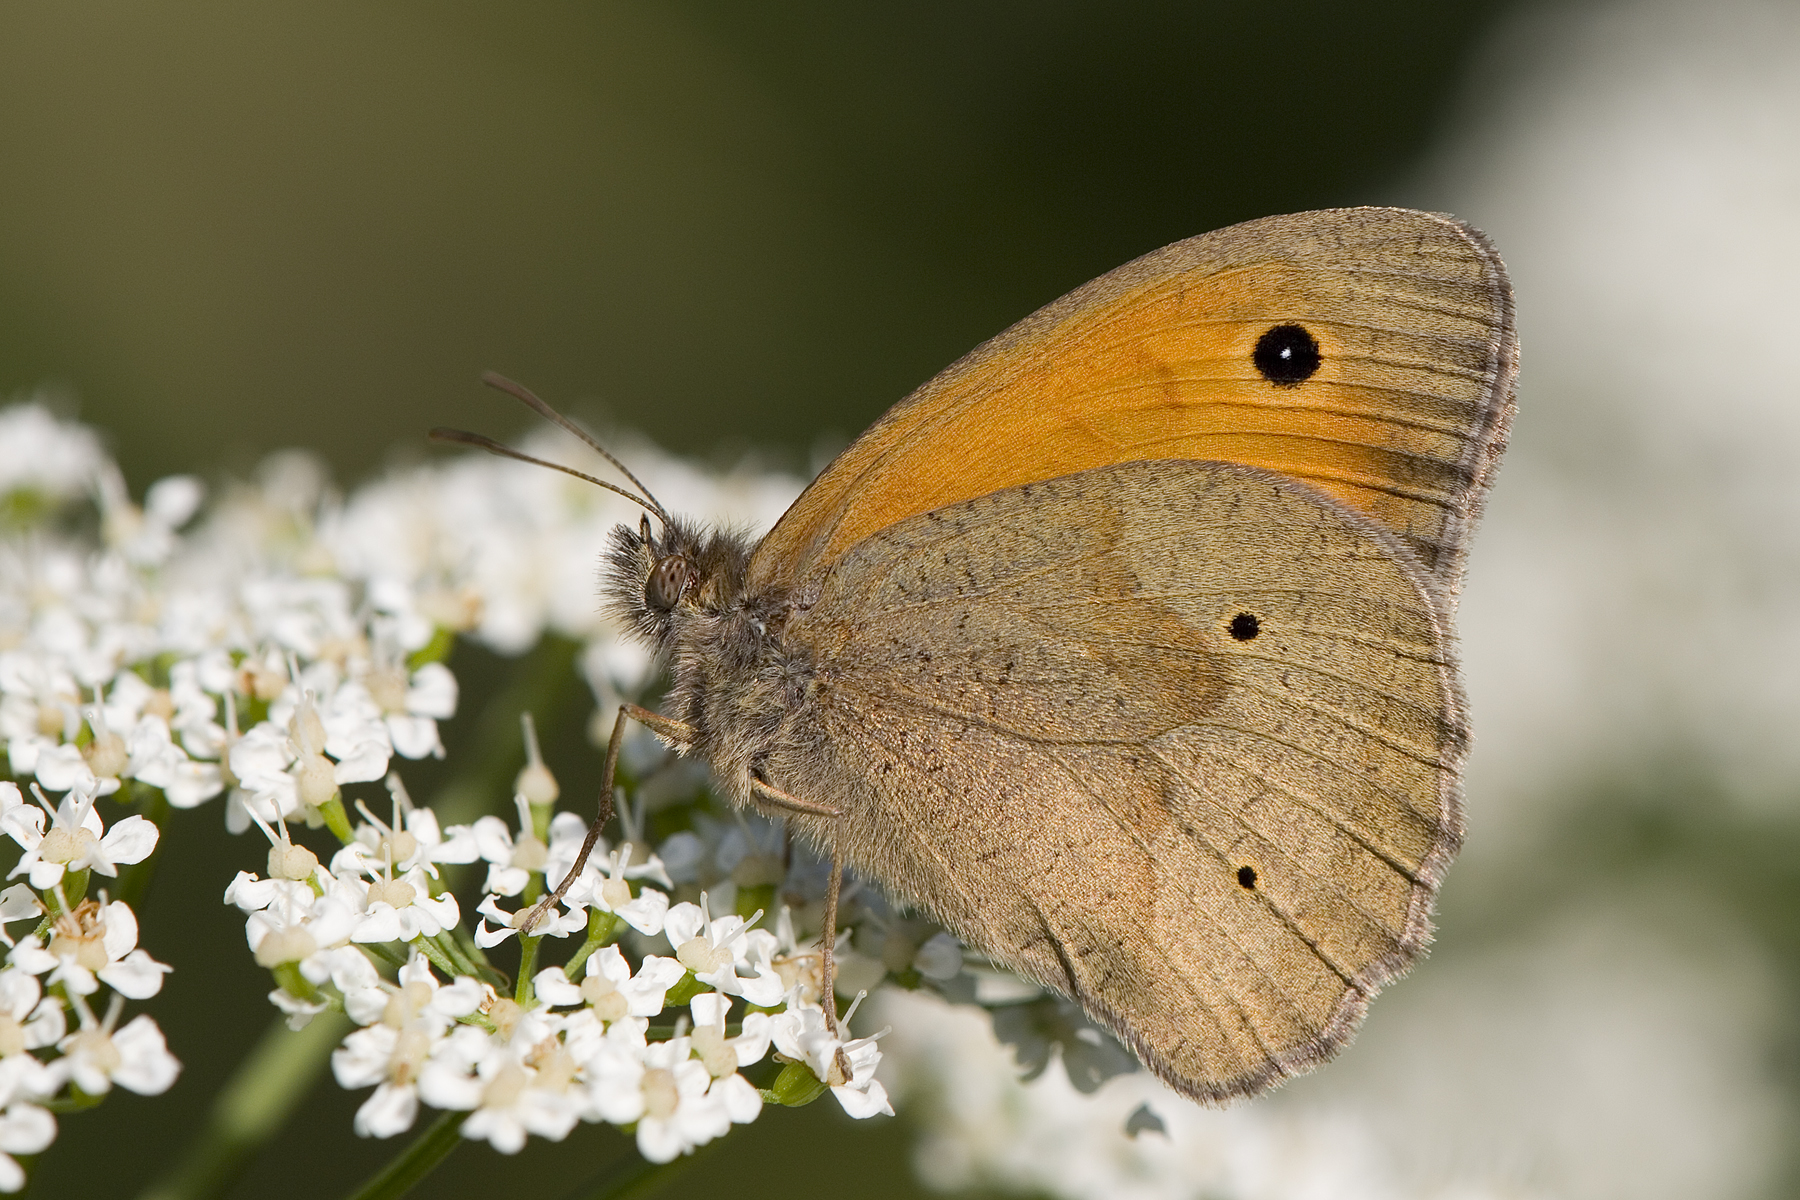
(482, 441)
(525, 396)
(529, 399)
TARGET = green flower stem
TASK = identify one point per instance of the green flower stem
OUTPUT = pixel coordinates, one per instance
(251, 1108)
(684, 989)
(74, 1102)
(336, 819)
(436, 650)
(528, 953)
(603, 927)
(452, 952)
(382, 952)
(74, 887)
(435, 953)
(135, 880)
(416, 1161)
(472, 954)
(540, 820)
(289, 979)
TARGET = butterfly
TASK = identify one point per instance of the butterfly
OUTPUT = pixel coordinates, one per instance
(1123, 647)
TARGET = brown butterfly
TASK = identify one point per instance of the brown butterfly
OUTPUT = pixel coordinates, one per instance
(1123, 646)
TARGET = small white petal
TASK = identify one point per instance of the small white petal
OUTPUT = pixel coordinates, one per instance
(741, 1101)
(131, 840)
(433, 692)
(121, 929)
(29, 955)
(459, 998)
(26, 1129)
(555, 988)
(500, 1128)
(389, 1110)
(19, 992)
(764, 990)
(363, 761)
(147, 1067)
(137, 976)
(381, 923)
(442, 1085)
(75, 977)
(646, 912)
(172, 500)
(43, 875)
(505, 880)
(414, 737)
(19, 902)
(657, 1140)
(863, 1104)
(250, 893)
(24, 824)
(363, 1057)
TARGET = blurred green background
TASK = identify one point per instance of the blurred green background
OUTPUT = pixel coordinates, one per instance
(227, 229)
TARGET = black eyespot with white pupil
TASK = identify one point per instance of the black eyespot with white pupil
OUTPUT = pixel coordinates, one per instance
(1287, 355)
(1245, 626)
(668, 579)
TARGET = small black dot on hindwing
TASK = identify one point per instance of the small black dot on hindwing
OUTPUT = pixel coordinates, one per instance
(1245, 626)
(1246, 876)
(1286, 355)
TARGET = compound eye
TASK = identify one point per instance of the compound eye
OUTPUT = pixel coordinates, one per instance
(669, 578)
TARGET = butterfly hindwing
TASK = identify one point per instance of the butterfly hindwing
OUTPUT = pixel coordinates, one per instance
(1178, 738)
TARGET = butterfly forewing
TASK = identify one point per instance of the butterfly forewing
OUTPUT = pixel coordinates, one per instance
(1400, 414)
(1180, 739)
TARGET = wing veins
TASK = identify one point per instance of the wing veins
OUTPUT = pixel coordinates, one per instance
(1134, 835)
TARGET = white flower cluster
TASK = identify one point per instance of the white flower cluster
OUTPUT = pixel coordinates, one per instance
(288, 644)
(57, 970)
(576, 1043)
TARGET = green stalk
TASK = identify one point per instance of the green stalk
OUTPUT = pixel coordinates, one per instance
(528, 953)
(603, 927)
(336, 819)
(252, 1107)
(136, 878)
(435, 953)
(416, 1161)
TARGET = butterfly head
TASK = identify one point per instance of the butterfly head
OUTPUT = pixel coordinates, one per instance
(657, 579)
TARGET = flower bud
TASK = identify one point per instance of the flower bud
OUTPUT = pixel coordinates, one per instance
(314, 782)
(288, 861)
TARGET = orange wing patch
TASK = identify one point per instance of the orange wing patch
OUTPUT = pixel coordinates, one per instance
(1402, 419)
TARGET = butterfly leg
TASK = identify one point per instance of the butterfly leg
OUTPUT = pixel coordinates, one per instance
(781, 799)
(675, 731)
(828, 963)
(828, 928)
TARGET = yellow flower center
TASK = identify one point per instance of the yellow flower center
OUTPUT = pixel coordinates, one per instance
(661, 1097)
(387, 687)
(396, 892)
(700, 956)
(63, 845)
